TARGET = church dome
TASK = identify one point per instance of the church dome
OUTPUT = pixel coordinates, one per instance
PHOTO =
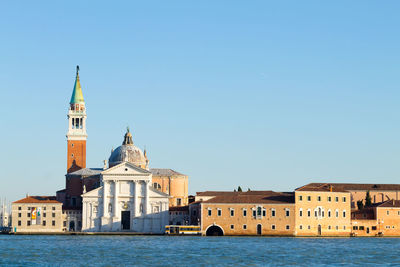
(128, 152)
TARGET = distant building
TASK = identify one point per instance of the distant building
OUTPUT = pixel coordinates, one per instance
(381, 219)
(244, 213)
(38, 214)
(179, 215)
(322, 211)
(5, 217)
(172, 183)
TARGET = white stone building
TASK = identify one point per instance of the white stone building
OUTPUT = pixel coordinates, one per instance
(125, 201)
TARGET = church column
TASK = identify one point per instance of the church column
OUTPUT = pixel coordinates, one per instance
(115, 210)
(106, 189)
(147, 198)
(135, 199)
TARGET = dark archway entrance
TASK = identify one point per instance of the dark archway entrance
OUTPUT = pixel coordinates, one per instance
(72, 226)
(259, 229)
(319, 230)
(214, 231)
(126, 220)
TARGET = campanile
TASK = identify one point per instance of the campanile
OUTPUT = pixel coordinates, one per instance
(76, 136)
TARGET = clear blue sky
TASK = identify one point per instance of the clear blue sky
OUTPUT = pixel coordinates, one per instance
(262, 94)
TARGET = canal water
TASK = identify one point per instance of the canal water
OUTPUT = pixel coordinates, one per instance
(196, 251)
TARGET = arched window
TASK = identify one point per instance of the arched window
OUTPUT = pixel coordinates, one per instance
(157, 186)
(301, 212)
(141, 208)
(109, 207)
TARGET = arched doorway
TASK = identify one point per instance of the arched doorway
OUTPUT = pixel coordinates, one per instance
(214, 231)
(259, 229)
(319, 229)
(72, 226)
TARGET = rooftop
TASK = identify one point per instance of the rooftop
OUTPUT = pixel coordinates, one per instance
(38, 199)
(87, 172)
(164, 172)
(256, 197)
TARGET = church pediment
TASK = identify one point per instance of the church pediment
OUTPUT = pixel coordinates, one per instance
(94, 193)
(126, 168)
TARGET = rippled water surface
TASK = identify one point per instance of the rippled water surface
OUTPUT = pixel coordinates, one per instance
(200, 251)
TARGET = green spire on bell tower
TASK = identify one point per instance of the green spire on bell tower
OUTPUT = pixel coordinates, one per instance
(77, 96)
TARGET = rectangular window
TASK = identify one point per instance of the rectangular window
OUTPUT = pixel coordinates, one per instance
(209, 212)
(329, 227)
(264, 212)
(329, 199)
(287, 213)
(309, 213)
(374, 228)
(301, 227)
(337, 213)
(44, 214)
(19, 214)
(315, 213)
(29, 214)
(273, 213)
(44, 223)
(53, 223)
(337, 227)
(244, 226)
(361, 228)
(337, 199)
(53, 208)
(219, 212)
(301, 213)
(53, 215)
(355, 227)
(28, 223)
(319, 198)
(232, 226)
(244, 213)
(273, 227)
(287, 227)
(309, 227)
(19, 208)
(19, 223)
(65, 223)
(387, 212)
(344, 227)
(232, 212)
(300, 198)
(344, 199)
(344, 214)
(254, 213)
(308, 198)
(178, 201)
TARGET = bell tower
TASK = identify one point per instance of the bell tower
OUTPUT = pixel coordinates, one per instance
(76, 136)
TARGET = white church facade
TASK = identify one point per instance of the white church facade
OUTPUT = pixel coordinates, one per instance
(126, 200)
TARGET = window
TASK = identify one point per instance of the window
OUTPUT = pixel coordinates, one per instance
(157, 186)
(72, 155)
(398, 213)
(337, 213)
(44, 223)
(344, 214)
(361, 228)
(140, 208)
(316, 213)
(244, 212)
(179, 201)
(53, 208)
(53, 215)
(301, 212)
(64, 223)
(308, 198)
(72, 144)
(387, 212)
(344, 227)
(209, 212)
(259, 210)
(273, 213)
(337, 227)
(287, 212)
(19, 208)
(254, 213)
(44, 214)
(319, 198)
(300, 198)
(337, 199)
(53, 223)
(28, 223)
(344, 199)
(19, 223)
(44, 208)
(287, 227)
(219, 212)
(244, 227)
(329, 213)
(273, 227)
(329, 199)
(301, 227)
(232, 226)
(309, 227)
(110, 207)
(329, 227)
(374, 228)
(232, 212)
(19, 214)
(356, 227)
(264, 212)
(309, 213)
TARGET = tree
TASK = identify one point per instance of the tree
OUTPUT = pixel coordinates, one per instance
(239, 189)
(360, 204)
(368, 200)
(248, 190)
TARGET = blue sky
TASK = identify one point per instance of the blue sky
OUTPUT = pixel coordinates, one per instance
(262, 94)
